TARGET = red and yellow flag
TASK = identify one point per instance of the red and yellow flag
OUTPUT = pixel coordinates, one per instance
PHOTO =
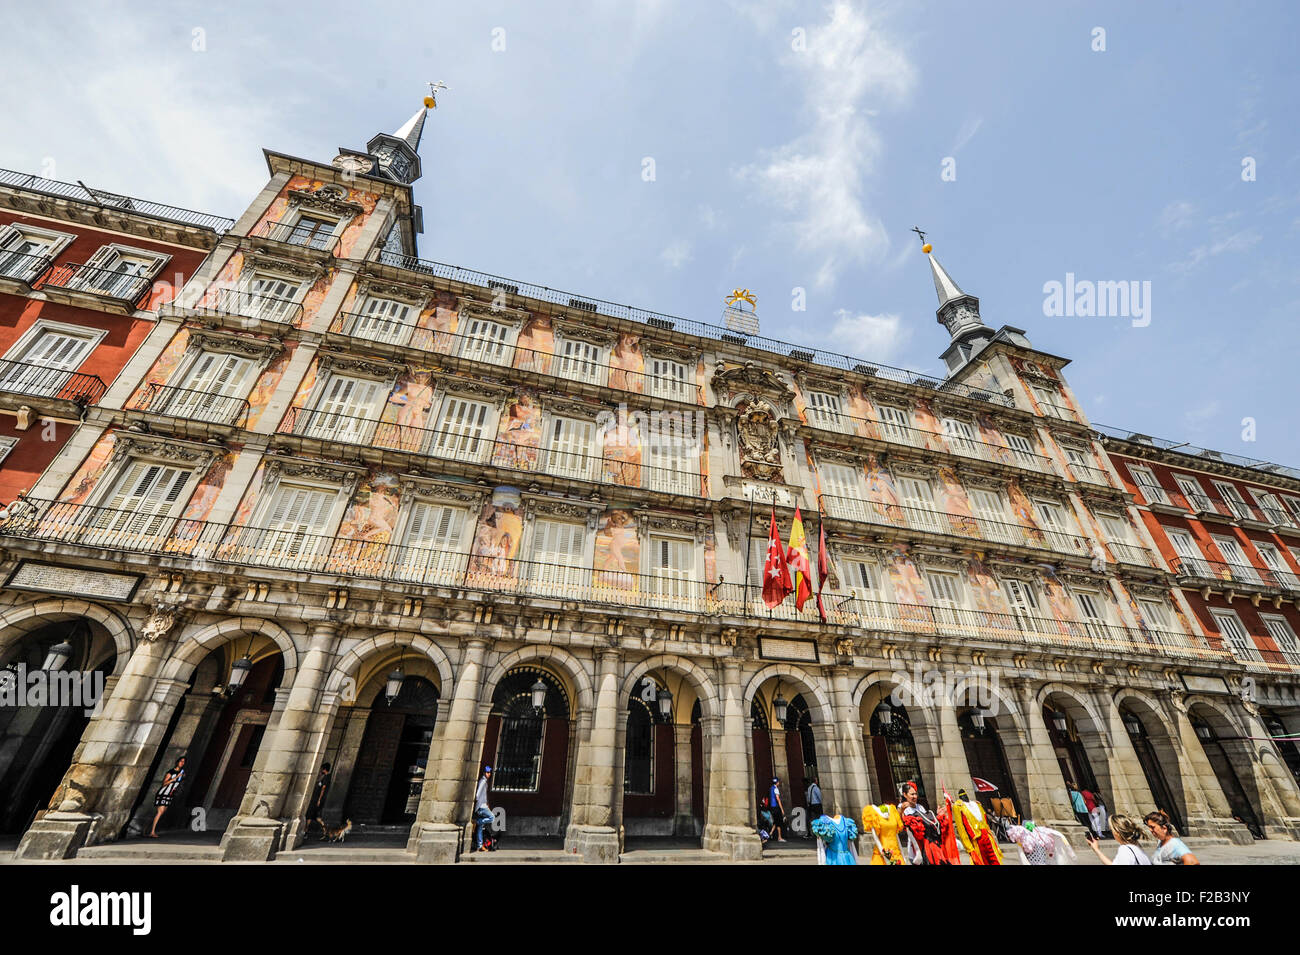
(797, 559)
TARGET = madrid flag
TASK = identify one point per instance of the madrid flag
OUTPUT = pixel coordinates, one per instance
(797, 558)
(776, 575)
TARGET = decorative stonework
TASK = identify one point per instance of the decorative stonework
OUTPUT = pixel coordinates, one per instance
(431, 489)
(503, 314)
(758, 435)
(131, 444)
(409, 294)
(584, 333)
(749, 377)
(313, 470)
(263, 258)
(368, 367)
(262, 348)
(329, 199)
(541, 504)
(158, 624)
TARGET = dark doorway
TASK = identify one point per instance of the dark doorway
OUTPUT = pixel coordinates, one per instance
(1286, 746)
(1229, 781)
(394, 753)
(528, 749)
(893, 752)
(800, 752)
(1151, 768)
(1070, 753)
(986, 758)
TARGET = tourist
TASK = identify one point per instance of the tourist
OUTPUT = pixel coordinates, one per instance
(764, 821)
(778, 809)
(814, 800)
(1080, 807)
(1127, 833)
(318, 796)
(482, 811)
(166, 792)
(1100, 821)
(1171, 850)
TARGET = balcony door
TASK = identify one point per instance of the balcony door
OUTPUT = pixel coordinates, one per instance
(462, 430)
(431, 549)
(1191, 559)
(347, 409)
(558, 554)
(1238, 564)
(213, 390)
(137, 513)
(384, 320)
(570, 452)
(671, 573)
(46, 365)
(294, 533)
(919, 499)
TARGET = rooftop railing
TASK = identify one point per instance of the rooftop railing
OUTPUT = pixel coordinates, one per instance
(109, 200)
(174, 402)
(211, 545)
(43, 382)
(679, 475)
(797, 354)
(1182, 447)
(105, 283)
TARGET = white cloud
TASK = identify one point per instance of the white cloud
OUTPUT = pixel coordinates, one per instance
(1237, 242)
(818, 177)
(676, 254)
(867, 336)
(1176, 216)
(967, 133)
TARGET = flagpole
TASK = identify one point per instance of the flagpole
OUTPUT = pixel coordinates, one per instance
(778, 540)
(749, 547)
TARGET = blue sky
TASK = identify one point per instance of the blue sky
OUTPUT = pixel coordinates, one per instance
(775, 168)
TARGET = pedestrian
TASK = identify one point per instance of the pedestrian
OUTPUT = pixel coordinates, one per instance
(166, 792)
(814, 800)
(764, 821)
(778, 809)
(1128, 834)
(1100, 821)
(1080, 807)
(1171, 850)
(482, 811)
(318, 796)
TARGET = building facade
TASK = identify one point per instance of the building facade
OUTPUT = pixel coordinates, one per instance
(345, 505)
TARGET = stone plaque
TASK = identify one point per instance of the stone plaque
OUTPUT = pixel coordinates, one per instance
(776, 648)
(1196, 683)
(54, 579)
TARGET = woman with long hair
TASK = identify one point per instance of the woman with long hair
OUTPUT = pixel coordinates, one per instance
(1127, 833)
(166, 792)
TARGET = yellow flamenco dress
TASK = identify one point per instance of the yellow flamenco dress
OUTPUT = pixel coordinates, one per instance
(973, 831)
(886, 822)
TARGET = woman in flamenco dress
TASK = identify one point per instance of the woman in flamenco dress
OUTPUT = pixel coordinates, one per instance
(924, 828)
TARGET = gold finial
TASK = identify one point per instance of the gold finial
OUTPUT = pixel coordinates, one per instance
(926, 247)
(431, 101)
(742, 295)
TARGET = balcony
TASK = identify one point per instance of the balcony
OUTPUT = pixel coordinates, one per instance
(173, 402)
(475, 449)
(248, 308)
(19, 271)
(1131, 554)
(300, 236)
(1058, 412)
(955, 525)
(211, 545)
(1238, 578)
(40, 381)
(400, 336)
(75, 284)
(1087, 474)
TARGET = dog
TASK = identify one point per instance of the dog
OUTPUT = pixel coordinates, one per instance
(335, 833)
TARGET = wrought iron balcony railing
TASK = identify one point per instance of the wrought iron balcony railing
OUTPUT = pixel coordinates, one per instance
(483, 349)
(109, 200)
(105, 283)
(41, 381)
(1087, 474)
(889, 431)
(173, 402)
(210, 545)
(249, 306)
(23, 266)
(796, 353)
(955, 525)
(1131, 554)
(679, 472)
(300, 234)
(1060, 412)
(1199, 571)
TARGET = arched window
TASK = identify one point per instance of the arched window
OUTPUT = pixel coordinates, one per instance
(518, 761)
(895, 753)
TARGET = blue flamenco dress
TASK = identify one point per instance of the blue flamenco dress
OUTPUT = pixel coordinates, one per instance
(836, 837)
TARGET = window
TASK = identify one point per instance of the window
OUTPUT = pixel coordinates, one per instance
(295, 523)
(1238, 564)
(558, 556)
(1271, 508)
(26, 251)
(919, 499)
(1234, 634)
(990, 511)
(1149, 486)
(1117, 530)
(571, 448)
(431, 545)
(1156, 614)
(312, 231)
(671, 571)
(1047, 402)
(1232, 497)
(1091, 611)
(824, 411)
(212, 389)
(1023, 600)
(896, 424)
(119, 272)
(668, 379)
(961, 436)
(346, 409)
(1277, 566)
(7, 445)
(580, 361)
(140, 504)
(672, 465)
(1081, 463)
(842, 487)
(384, 320)
(1294, 504)
(1283, 636)
(1053, 521)
(267, 298)
(488, 341)
(1024, 451)
(861, 579)
(945, 595)
(46, 358)
(1197, 499)
(462, 431)
(1191, 561)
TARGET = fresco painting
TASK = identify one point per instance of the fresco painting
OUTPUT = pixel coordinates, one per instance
(909, 588)
(627, 365)
(209, 488)
(244, 513)
(521, 433)
(497, 537)
(1024, 512)
(166, 365)
(985, 592)
(881, 490)
(620, 451)
(267, 382)
(435, 328)
(992, 436)
(83, 482)
(924, 419)
(617, 556)
(536, 344)
(952, 499)
(863, 413)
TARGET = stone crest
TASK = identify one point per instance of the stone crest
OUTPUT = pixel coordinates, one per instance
(760, 450)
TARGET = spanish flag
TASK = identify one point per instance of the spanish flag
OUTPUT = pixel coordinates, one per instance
(797, 559)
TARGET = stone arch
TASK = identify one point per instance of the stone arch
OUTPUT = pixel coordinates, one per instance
(697, 677)
(350, 663)
(203, 641)
(1077, 701)
(569, 666)
(824, 713)
(17, 622)
(869, 692)
(1165, 744)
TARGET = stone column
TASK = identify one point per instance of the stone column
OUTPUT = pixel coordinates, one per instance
(683, 821)
(1049, 802)
(261, 827)
(1129, 791)
(851, 791)
(590, 831)
(1278, 794)
(452, 766)
(345, 761)
(950, 766)
(1214, 819)
(117, 748)
(729, 828)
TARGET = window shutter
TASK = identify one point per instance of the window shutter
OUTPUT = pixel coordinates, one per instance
(571, 447)
(461, 429)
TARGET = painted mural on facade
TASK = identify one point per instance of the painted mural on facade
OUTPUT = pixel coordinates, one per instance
(627, 364)
(282, 207)
(536, 344)
(209, 489)
(78, 489)
(497, 535)
(617, 554)
(952, 499)
(521, 433)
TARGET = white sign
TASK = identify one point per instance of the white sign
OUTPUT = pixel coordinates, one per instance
(53, 579)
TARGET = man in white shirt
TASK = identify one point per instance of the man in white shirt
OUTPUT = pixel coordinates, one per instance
(482, 811)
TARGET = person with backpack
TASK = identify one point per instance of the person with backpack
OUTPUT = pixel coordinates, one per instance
(778, 809)
(482, 811)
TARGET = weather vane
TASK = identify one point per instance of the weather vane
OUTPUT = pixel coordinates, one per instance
(431, 101)
(925, 246)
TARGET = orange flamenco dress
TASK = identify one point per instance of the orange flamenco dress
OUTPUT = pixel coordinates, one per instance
(973, 830)
(886, 822)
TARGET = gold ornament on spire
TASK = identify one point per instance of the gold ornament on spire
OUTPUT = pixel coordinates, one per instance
(742, 295)
(431, 101)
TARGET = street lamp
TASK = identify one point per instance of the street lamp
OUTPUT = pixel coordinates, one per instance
(238, 674)
(1132, 724)
(884, 713)
(1058, 720)
(665, 698)
(393, 685)
(539, 694)
(59, 654)
(780, 705)
(977, 720)
(1204, 732)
